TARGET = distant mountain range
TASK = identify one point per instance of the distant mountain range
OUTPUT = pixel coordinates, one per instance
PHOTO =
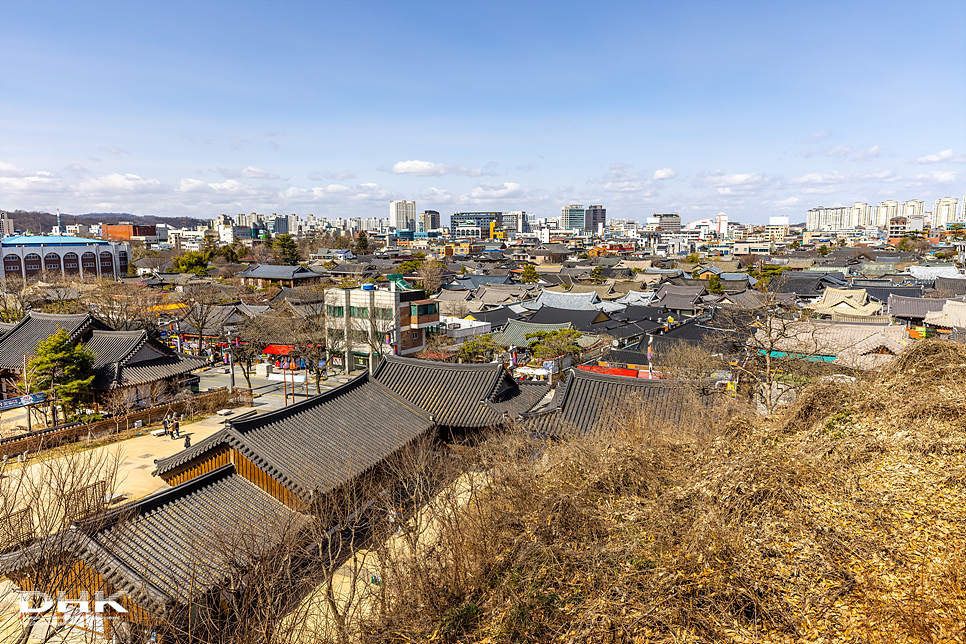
(42, 222)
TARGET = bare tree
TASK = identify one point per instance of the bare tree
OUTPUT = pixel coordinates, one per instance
(203, 303)
(432, 273)
(39, 503)
(16, 298)
(125, 307)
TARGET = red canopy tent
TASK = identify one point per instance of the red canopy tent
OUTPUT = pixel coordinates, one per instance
(278, 349)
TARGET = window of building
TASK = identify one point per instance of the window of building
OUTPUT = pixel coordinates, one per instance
(13, 268)
(334, 311)
(424, 309)
(359, 312)
(415, 335)
(383, 314)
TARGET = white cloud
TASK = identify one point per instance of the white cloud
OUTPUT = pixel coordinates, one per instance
(839, 151)
(865, 155)
(490, 192)
(783, 204)
(332, 176)
(835, 178)
(248, 172)
(935, 177)
(734, 185)
(435, 196)
(430, 169)
(946, 156)
(111, 150)
(819, 136)
(124, 183)
(664, 173)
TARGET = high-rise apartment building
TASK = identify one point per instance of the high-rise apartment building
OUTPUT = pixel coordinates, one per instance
(402, 214)
(861, 214)
(885, 212)
(572, 217)
(945, 211)
(912, 208)
(595, 218)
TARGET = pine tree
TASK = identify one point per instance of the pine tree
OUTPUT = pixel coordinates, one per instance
(286, 250)
(529, 275)
(362, 244)
(64, 368)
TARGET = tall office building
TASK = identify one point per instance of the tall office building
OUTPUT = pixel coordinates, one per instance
(945, 211)
(402, 214)
(572, 217)
(428, 220)
(668, 221)
(479, 219)
(522, 221)
(595, 218)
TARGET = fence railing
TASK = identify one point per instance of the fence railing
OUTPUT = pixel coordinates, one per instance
(53, 436)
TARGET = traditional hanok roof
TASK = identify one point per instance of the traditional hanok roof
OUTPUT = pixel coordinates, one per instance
(270, 272)
(933, 272)
(579, 320)
(844, 316)
(564, 300)
(320, 443)
(590, 403)
(459, 395)
(882, 293)
(950, 285)
(852, 301)
(637, 298)
(173, 545)
(514, 333)
(473, 282)
(953, 314)
(129, 358)
(34, 328)
(604, 291)
(913, 307)
(496, 317)
(828, 339)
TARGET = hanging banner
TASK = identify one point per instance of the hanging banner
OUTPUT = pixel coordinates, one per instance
(21, 401)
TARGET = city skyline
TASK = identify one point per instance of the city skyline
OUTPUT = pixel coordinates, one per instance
(697, 108)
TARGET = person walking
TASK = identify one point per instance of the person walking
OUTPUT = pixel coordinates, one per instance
(164, 423)
(187, 441)
(176, 430)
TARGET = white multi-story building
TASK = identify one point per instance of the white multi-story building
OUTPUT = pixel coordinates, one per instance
(945, 211)
(884, 212)
(912, 208)
(402, 214)
(861, 214)
(829, 218)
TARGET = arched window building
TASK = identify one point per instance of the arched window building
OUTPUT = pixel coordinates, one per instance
(28, 256)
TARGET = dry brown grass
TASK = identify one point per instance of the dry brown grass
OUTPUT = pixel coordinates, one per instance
(845, 520)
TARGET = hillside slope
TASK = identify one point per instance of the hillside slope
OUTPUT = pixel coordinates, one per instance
(842, 521)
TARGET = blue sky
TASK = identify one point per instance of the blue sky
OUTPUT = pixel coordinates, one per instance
(333, 108)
